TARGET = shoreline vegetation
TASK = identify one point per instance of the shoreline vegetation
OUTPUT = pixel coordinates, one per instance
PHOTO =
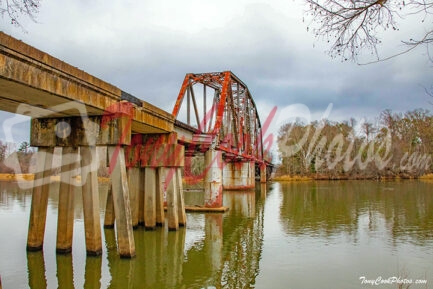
(299, 178)
(393, 146)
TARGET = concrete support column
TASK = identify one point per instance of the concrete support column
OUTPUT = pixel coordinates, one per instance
(159, 201)
(180, 198)
(239, 176)
(170, 177)
(263, 173)
(213, 186)
(252, 174)
(162, 158)
(122, 206)
(109, 217)
(263, 191)
(150, 179)
(41, 187)
(174, 195)
(113, 129)
(90, 194)
(134, 191)
(141, 199)
(65, 220)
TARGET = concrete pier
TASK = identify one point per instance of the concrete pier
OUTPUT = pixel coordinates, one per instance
(213, 186)
(78, 137)
(239, 176)
(154, 163)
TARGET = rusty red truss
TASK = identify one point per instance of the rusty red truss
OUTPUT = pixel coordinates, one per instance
(220, 110)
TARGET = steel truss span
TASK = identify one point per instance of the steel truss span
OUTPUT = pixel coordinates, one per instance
(220, 110)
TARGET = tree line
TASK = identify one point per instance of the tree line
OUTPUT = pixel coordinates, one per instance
(21, 157)
(23, 153)
(395, 145)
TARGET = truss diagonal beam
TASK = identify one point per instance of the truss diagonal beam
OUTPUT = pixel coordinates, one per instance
(230, 118)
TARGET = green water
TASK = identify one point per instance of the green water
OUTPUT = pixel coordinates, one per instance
(283, 235)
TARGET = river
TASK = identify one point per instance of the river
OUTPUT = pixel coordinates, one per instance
(342, 234)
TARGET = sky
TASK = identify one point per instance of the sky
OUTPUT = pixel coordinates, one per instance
(146, 47)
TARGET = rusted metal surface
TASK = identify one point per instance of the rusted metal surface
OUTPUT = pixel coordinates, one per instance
(230, 117)
(155, 150)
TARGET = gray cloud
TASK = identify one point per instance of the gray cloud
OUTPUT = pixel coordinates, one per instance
(146, 48)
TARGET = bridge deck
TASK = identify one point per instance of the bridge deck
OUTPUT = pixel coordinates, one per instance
(30, 76)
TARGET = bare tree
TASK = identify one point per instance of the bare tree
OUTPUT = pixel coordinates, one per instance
(13, 9)
(368, 129)
(353, 25)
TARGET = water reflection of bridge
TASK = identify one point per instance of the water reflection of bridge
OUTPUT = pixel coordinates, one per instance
(216, 250)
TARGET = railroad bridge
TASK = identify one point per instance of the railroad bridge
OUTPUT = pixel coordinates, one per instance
(214, 115)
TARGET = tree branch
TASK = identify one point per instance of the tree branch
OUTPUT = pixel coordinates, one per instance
(353, 25)
(14, 8)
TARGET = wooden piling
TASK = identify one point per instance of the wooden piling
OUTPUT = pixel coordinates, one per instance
(120, 192)
(65, 220)
(90, 193)
(41, 187)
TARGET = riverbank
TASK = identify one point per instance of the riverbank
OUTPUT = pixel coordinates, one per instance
(317, 177)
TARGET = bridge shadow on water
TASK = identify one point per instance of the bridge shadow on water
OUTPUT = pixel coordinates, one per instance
(215, 250)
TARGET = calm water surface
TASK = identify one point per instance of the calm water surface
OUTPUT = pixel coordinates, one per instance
(283, 235)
